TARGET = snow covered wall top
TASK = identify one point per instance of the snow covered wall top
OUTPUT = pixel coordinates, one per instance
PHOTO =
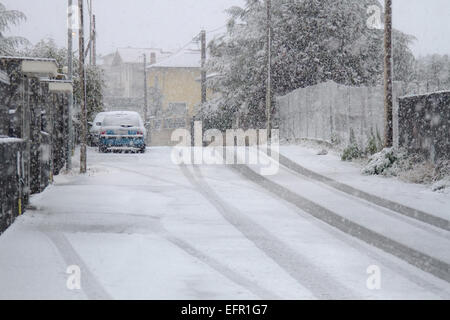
(424, 125)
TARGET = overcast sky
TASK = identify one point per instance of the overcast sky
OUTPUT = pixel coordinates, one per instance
(169, 24)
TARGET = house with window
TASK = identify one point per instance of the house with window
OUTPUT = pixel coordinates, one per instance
(174, 93)
(124, 76)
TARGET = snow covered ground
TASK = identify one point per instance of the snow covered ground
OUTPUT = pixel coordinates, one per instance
(416, 195)
(141, 227)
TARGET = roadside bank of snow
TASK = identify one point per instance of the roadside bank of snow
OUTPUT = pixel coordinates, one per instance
(417, 196)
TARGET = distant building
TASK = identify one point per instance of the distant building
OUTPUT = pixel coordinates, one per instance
(124, 75)
(174, 93)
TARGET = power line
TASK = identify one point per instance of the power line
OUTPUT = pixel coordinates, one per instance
(193, 40)
(217, 29)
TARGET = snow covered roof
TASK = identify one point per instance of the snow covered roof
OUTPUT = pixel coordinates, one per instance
(26, 58)
(36, 66)
(186, 58)
(134, 55)
(209, 76)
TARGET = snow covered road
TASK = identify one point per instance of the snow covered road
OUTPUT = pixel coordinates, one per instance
(141, 227)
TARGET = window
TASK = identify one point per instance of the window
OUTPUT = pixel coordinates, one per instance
(176, 109)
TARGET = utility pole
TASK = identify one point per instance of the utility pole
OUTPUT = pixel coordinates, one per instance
(94, 41)
(145, 90)
(83, 160)
(203, 41)
(388, 91)
(269, 70)
(70, 71)
(91, 32)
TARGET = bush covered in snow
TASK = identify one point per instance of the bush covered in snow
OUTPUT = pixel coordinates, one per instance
(442, 177)
(442, 185)
(383, 162)
(410, 168)
(353, 151)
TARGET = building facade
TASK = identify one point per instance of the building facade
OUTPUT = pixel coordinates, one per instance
(175, 91)
(124, 75)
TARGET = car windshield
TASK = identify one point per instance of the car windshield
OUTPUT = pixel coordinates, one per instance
(121, 120)
(99, 118)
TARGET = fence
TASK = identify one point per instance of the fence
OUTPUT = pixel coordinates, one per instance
(331, 112)
(33, 109)
(424, 124)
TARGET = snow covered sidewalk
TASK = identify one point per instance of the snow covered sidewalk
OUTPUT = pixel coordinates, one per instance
(413, 195)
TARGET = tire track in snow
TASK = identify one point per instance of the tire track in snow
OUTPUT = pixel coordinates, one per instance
(436, 231)
(148, 176)
(317, 281)
(388, 204)
(416, 258)
(228, 273)
(216, 265)
(89, 284)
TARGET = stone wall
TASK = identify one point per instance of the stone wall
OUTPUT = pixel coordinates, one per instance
(424, 125)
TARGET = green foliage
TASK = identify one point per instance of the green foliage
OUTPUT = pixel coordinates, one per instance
(95, 81)
(47, 48)
(94, 91)
(372, 146)
(374, 143)
(353, 151)
(313, 42)
(385, 162)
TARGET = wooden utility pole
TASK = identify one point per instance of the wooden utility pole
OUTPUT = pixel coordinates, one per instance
(94, 41)
(145, 90)
(269, 70)
(91, 31)
(83, 156)
(70, 75)
(203, 41)
(388, 91)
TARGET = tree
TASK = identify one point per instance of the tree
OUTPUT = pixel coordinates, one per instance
(8, 45)
(432, 73)
(95, 82)
(313, 41)
(47, 48)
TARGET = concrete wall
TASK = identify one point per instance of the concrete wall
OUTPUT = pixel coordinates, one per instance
(329, 112)
(424, 125)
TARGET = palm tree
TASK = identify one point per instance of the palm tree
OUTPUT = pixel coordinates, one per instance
(8, 18)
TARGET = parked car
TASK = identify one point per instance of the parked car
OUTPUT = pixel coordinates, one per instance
(94, 131)
(122, 130)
